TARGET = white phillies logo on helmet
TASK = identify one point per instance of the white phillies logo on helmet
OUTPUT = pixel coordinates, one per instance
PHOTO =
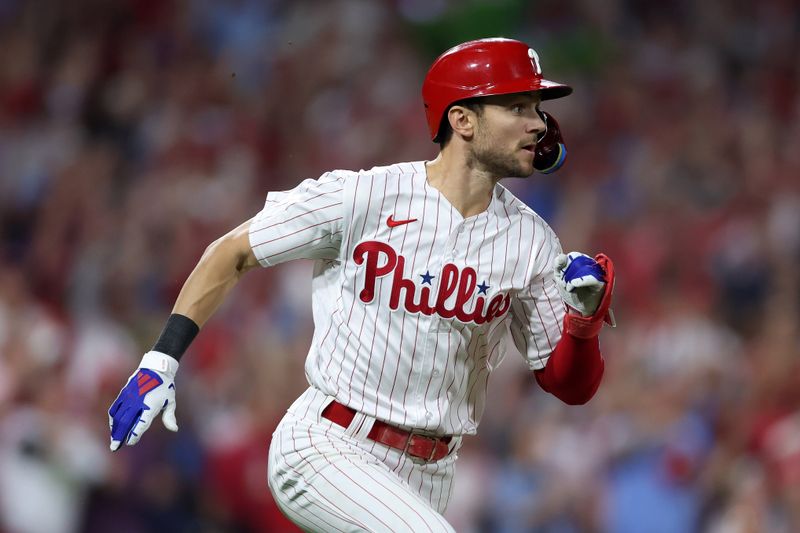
(535, 60)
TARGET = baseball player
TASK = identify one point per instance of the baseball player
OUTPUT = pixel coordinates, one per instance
(425, 274)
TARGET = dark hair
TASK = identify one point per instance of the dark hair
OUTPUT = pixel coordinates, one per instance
(445, 130)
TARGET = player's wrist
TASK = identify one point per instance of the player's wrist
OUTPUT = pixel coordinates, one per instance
(177, 335)
(581, 327)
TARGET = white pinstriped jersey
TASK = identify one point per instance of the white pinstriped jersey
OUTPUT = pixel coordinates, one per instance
(413, 304)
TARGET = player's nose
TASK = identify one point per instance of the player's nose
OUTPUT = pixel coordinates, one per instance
(536, 125)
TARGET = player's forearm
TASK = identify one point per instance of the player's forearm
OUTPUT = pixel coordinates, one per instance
(219, 270)
(206, 288)
(574, 370)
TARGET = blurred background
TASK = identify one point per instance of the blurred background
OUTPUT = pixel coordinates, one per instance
(134, 132)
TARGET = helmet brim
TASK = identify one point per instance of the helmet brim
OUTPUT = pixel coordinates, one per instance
(548, 90)
(551, 90)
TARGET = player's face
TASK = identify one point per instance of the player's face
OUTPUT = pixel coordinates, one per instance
(506, 133)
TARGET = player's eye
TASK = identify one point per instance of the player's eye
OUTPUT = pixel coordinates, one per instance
(517, 109)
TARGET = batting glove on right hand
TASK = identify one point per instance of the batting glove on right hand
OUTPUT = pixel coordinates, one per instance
(150, 389)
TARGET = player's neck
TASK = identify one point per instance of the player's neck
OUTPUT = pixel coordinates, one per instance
(468, 190)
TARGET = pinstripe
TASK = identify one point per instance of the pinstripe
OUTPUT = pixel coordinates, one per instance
(436, 336)
(480, 249)
(551, 344)
(285, 206)
(343, 353)
(469, 240)
(520, 310)
(505, 252)
(375, 325)
(416, 327)
(452, 413)
(402, 336)
(301, 245)
(475, 376)
(287, 235)
(352, 306)
(287, 508)
(519, 239)
(386, 346)
(531, 263)
(285, 220)
(449, 491)
(365, 472)
(340, 514)
(539, 252)
(457, 363)
(330, 324)
(389, 488)
(480, 401)
(323, 505)
(430, 374)
(541, 321)
(445, 372)
(549, 300)
(468, 350)
(430, 491)
(440, 486)
(354, 200)
(466, 376)
(335, 486)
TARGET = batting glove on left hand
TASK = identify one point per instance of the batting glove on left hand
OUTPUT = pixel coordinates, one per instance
(580, 281)
(586, 285)
(150, 389)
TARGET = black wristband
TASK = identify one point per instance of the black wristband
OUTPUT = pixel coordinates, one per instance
(177, 335)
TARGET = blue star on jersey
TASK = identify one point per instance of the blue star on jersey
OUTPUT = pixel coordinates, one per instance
(483, 287)
(426, 277)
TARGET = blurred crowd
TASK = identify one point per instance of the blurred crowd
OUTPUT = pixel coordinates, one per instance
(135, 132)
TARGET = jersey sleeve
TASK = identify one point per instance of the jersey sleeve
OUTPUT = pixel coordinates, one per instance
(303, 223)
(537, 311)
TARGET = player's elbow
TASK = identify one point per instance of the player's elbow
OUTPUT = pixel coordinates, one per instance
(579, 395)
(571, 392)
(220, 252)
(576, 399)
(232, 251)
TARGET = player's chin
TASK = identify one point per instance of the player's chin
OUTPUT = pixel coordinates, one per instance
(525, 164)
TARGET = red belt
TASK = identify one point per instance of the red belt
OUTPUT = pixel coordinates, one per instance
(413, 444)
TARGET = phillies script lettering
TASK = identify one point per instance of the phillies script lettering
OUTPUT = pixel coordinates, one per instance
(380, 260)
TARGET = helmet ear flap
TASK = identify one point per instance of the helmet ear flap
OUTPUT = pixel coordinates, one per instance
(550, 148)
(543, 116)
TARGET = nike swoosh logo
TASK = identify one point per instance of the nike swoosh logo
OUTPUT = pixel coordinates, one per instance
(392, 223)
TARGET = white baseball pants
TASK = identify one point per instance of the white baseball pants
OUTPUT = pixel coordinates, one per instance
(327, 478)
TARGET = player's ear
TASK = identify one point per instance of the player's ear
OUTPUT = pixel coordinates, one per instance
(462, 120)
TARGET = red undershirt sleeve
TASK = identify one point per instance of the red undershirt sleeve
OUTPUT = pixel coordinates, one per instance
(574, 370)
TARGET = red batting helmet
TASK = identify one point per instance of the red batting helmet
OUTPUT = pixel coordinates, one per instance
(482, 68)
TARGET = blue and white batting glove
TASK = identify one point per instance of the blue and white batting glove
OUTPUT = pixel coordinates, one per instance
(150, 389)
(580, 280)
